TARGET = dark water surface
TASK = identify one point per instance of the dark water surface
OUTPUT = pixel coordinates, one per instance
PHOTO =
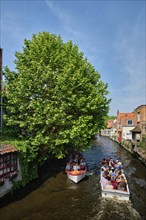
(59, 198)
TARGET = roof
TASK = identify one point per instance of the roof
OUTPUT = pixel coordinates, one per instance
(137, 129)
(6, 148)
(140, 106)
(126, 115)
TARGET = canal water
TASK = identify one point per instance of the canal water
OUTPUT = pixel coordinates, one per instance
(58, 198)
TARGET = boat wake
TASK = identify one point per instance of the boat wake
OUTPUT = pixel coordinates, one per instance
(115, 209)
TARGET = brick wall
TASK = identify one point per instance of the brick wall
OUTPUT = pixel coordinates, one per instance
(140, 112)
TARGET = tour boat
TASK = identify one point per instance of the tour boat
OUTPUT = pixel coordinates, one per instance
(109, 191)
(76, 176)
(115, 193)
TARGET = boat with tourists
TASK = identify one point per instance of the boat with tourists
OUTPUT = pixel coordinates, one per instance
(113, 180)
(76, 167)
(76, 176)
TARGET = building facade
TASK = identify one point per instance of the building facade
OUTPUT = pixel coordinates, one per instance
(9, 168)
(125, 122)
(140, 112)
(127, 126)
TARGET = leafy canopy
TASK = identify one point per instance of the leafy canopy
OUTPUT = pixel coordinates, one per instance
(55, 98)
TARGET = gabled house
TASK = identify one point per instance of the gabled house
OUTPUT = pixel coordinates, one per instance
(125, 122)
(128, 126)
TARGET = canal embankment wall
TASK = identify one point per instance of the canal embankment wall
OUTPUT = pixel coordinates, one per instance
(136, 154)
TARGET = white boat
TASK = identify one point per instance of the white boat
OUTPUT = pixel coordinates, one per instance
(76, 176)
(108, 192)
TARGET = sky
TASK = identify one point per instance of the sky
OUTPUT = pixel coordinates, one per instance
(111, 34)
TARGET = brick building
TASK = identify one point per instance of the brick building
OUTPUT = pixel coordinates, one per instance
(140, 113)
(125, 122)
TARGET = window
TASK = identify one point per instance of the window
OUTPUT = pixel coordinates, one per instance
(8, 164)
(137, 137)
(138, 116)
(130, 122)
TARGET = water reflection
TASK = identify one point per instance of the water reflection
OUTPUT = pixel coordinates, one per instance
(61, 199)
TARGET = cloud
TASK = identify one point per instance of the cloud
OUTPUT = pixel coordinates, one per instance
(73, 24)
(61, 14)
(130, 59)
(115, 48)
(64, 17)
(10, 25)
(111, 35)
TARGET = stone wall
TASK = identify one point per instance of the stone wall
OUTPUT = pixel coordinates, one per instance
(138, 154)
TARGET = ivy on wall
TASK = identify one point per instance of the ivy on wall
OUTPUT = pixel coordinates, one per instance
(29, 172)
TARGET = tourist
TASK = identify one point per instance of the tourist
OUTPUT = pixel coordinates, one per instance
(122, 185)
(113, 174)
(68, 166)
(82, 164)
(76, 167)
(103, 161)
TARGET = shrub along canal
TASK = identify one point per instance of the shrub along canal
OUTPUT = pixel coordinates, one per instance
(58, 198)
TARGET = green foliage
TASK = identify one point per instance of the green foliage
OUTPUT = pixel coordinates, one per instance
(20, 144)
(127, 144)
(55, 99)
(29, 166)
(29, 172)
(143, 142)
(112, 117)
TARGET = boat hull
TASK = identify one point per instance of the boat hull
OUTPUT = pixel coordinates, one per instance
(76, 176)
(116, 194)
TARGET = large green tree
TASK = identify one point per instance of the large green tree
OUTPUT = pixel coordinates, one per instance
(56, 99)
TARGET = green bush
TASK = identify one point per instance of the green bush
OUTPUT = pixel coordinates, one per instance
(127, 144)
(143, 142)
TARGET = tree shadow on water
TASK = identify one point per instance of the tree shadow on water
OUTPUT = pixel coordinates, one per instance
(49, 169)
